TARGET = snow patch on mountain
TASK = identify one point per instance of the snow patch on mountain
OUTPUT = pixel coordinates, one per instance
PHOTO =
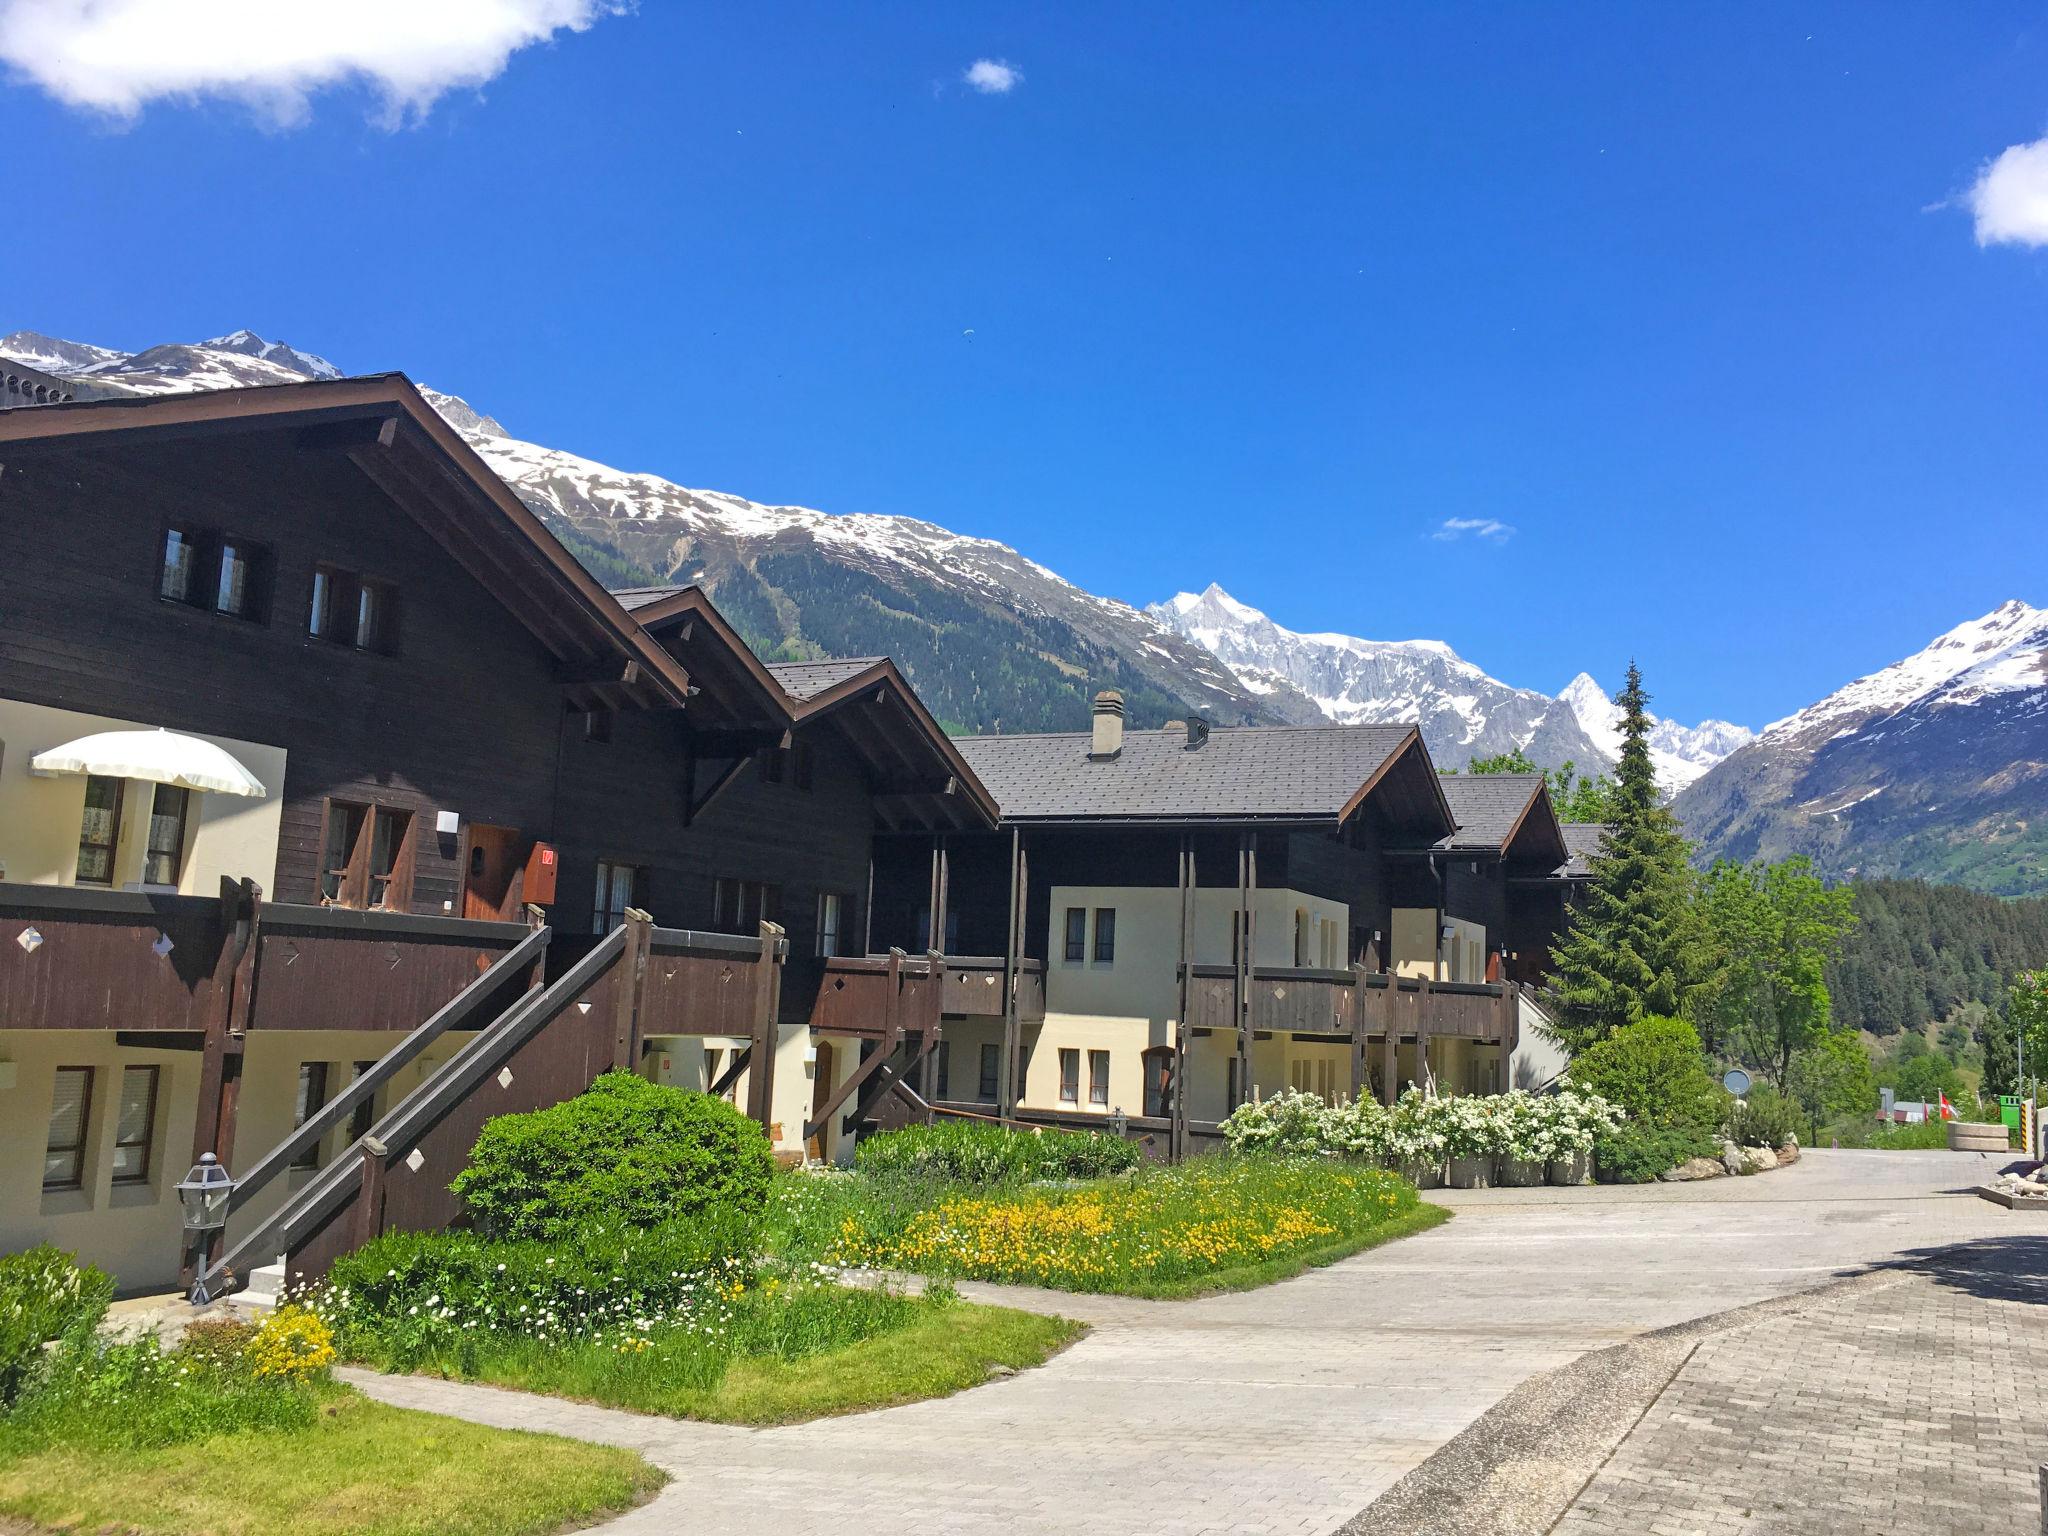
(1462, 711)
(1679, 753)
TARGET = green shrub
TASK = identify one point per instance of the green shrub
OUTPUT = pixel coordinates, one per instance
(218, 1344)
(409, 1296)
(135, 1396)
(1656, 1073)
(1766, 1119)
(1637, 1154)
(44, 1295)
(966, 1152)
(627, 1152)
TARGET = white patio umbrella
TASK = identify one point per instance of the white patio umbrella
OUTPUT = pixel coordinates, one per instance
(158, 756)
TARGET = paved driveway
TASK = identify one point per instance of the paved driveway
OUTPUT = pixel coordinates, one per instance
(1289, 1408)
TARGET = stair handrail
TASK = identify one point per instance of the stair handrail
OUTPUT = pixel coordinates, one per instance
(400, 1128)
(450, 1015)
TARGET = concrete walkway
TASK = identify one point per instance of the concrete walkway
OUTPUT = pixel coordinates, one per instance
(1286, 1409)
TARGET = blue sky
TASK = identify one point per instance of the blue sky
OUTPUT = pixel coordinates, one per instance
(1687, 298)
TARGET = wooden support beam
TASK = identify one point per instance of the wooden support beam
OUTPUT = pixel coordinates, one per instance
(1007, 1089)
(698, 801)
(629, 977)
(1177, 1108)
(743, 1059)
(1422, 1012)
(767, 1027)
(361, 432)
(891, 1032)
(1361, 1079)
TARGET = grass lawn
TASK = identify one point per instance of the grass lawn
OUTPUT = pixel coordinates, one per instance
(1211, 1224)
(941, 1350)
(1250, 1277)
(363, 1469)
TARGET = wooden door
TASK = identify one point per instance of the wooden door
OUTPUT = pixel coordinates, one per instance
(490, 870)
(821, 1090)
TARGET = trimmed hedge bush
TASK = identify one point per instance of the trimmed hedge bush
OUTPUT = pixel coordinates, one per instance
(965, 1152)
(628, 1152)
(44, 1295)
(1656, 1072)
(1636, 1154)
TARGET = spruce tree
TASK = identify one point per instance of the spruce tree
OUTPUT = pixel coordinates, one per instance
(1633, 948)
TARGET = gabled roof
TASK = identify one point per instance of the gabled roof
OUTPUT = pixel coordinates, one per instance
(915, 765)
(1305, 774)
(807, 679)
(401, 444)
(1581, 841)
(1507, 814)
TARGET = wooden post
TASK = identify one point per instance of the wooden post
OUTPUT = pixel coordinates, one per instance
(1177, 1107)
(1422, 1011)
(1360, 1081)
(366, 1221)
(934, 916)
(867, 911)
(1247, 952)
(1390, 1018)
(631, 974)
(220, 1061)
(1007, 1091)
(766, 1030)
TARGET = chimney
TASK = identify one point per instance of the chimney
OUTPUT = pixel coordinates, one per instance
(1198, 731)
(1109, 725)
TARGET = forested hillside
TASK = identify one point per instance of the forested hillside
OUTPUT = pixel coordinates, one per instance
(1918, 952)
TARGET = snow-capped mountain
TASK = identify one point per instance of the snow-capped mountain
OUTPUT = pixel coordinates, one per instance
(1936, 765)
(992, 639)
(1462, 711)
(1680, 753)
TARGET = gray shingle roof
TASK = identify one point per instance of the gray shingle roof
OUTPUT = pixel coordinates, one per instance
(639, 597)
(1583, 839)
(808, 679)
(1487, 806)
(1244, 772)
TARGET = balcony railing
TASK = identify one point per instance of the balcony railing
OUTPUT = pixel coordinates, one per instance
(874, 994)
(1330, 1002)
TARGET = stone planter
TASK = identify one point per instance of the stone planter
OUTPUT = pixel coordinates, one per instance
(1424, 1175)
(1472, 1172)
(1576, 1169)
(1977, 1136)
(1514, 1173)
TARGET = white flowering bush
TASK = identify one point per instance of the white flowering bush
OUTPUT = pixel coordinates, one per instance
(1417, 1131)
(1583, 1117)
(1470, 1125)
(1359, 1129)
(1289, 1124)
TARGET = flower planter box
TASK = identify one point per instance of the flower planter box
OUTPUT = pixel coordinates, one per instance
(1576, 1169)
(1513, 1173)
(1471, 1172)
(1424, 1175)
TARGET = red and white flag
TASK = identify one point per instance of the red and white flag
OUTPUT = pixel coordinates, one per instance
(1948, 1110)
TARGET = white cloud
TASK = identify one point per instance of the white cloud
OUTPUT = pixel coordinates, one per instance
(116, 56)
(2010, 198)
(1492, 529)
(993, 77)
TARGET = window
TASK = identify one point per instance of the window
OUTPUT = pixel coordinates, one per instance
(616, 884)
(1105, 935)
(214, 571)
(1158, 1060)
(180, 559)
(1300, 937)
(312, 1094)
(991, 1061)
(99, 831)
(353, 610)
(344, 830)
(135, 1125)
(830, 906)
(70, 1115)
(1070, 1076)
(1077, 935)
(1098, 1078)
(366, 856)
(945, 1069)
(742, 906)
(165, 860)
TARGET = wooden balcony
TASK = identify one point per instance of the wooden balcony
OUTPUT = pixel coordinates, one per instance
(874, 995)
(78, 958)
(1320, 1002)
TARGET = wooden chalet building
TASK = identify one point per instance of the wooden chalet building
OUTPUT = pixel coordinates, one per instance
(503, 830)
(1199, 914)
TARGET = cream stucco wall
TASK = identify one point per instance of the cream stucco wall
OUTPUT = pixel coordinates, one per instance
(131, 1231)
(681, 1062)
(231, 835)
(1414, 946)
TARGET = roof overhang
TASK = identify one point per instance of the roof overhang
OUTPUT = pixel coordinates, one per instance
(381, 423)
(1407, 785)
